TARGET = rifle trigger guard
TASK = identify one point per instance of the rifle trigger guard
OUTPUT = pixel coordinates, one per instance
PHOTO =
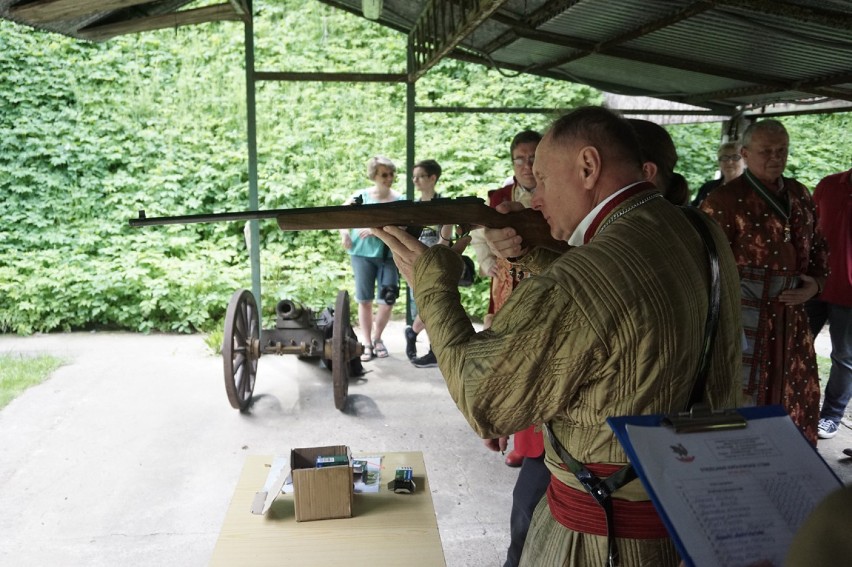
(463, 230)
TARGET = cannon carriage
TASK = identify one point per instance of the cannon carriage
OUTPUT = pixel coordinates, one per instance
(327, 336)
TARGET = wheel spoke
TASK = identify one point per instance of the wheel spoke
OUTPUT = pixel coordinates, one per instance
(240, 325)
(242, 387)
(239, 360)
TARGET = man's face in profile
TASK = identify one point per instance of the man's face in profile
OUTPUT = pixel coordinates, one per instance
(560, 194)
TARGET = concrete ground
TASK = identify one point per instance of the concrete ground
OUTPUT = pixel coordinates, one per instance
(129, 453)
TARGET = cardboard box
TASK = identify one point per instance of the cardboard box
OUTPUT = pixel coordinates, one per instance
(321, 493)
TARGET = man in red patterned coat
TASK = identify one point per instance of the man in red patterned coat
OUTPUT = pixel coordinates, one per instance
(782, 258)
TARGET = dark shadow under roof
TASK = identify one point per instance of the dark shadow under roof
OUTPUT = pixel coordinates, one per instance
(723, 55)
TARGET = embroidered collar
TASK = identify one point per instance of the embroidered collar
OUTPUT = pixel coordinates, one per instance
(591, 224)
(780, 202)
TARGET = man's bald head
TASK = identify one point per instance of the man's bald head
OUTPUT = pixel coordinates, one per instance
(586, 156)
(612, 135)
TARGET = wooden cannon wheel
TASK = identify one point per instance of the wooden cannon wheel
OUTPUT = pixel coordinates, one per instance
(241, 348)
(340, 351)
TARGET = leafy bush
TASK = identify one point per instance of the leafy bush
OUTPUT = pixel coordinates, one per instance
(91, 133)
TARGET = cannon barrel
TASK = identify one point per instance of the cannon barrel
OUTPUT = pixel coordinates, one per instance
(288, 310)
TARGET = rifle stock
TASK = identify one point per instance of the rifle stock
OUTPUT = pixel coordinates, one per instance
(465, 211)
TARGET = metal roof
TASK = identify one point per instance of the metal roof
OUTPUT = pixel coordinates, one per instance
(723, 55)
(99, 20)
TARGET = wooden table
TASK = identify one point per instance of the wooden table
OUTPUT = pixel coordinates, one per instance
(386, 529)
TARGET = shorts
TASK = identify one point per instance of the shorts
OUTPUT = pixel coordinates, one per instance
(368, 271)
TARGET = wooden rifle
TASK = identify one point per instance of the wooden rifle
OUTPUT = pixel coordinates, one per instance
(466, 212)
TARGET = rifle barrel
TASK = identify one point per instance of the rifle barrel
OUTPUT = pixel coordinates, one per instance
(308, 213)
(142, 220)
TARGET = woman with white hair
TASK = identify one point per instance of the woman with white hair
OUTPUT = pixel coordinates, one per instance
(372, 261)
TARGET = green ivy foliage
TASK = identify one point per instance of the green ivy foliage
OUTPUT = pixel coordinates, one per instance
(90, 133)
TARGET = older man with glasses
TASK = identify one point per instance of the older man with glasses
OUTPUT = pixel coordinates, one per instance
(518, 188)
(782, 258)
(731, 166)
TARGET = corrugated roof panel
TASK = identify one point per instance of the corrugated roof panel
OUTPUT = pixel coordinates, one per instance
(71, 26)
(798, 49)
(486, 33)
(600, 20)
(746, 47)
(827, 4)
(523, 9)
(526, 52)
(666, 82)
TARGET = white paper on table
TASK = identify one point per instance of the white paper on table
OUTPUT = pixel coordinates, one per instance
(273, 485)
(733, 497)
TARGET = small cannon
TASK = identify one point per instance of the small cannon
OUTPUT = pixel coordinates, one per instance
(298, 331)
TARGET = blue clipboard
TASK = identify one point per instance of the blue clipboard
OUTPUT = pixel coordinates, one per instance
(620, 425)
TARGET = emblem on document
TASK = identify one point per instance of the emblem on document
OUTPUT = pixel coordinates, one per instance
(682, 454)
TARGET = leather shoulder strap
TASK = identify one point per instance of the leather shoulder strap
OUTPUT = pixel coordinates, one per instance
(714, 301)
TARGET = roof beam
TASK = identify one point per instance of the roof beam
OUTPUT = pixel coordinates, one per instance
(550, 10)
(471, 57)
(818, 85)
(441, 26)
(44, 11)
(217, 13)
(794, 109)
(239, 7)
(545, 13)
(331, 77)
(556, 111)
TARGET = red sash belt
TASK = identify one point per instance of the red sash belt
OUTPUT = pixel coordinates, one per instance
(578, 511)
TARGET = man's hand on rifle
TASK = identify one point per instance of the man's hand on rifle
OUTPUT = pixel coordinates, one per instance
(505, 242)
(407, 249)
